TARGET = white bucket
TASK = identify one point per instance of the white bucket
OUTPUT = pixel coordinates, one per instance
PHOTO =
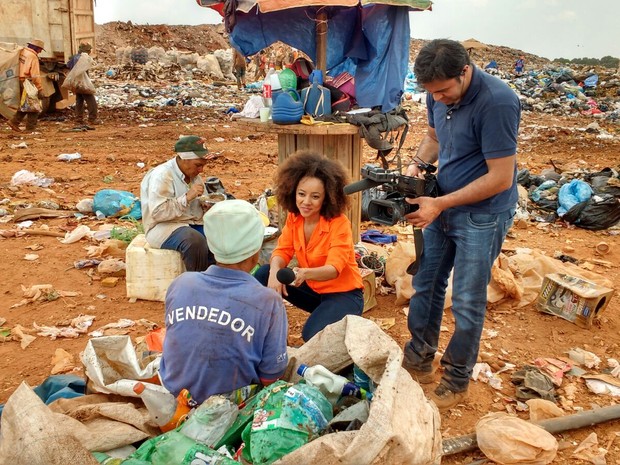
(150, 271)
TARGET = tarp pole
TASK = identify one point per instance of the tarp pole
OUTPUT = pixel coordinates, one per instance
(321, 41)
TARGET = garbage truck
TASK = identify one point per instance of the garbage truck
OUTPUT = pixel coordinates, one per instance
(62, 25)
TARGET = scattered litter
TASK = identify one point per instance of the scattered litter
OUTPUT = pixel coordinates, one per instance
(85, 206)
(112, 328)
(31, 257)
(19, 333)
(85, 263)
(583, 357)
(603, 384)
(25, 224)
(42, 292)
(590, 451)
(21, 145)
(28, 177)
(62, 362)
(482, 372)
(69, 156)
(78, 233)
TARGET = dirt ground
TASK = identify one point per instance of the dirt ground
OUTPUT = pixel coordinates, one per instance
(112, 156)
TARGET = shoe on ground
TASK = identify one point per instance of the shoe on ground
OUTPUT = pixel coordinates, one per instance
(95, 121)
(31, 128)
(14, 126)
(422, 377)
(445, 399)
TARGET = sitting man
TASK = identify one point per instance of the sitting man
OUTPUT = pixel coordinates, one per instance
(224, 330)
(171, 209)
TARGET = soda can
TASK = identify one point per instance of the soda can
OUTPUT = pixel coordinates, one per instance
(267, 90)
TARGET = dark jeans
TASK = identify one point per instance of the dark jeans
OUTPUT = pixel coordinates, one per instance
(31, 119)
(324, 309)
(469, 243)
(192, 244)
(91, 105)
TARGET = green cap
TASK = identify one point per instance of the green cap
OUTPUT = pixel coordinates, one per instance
(191, 144)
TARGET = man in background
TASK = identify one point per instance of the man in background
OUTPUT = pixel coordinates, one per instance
(29, 69)
(82, 98)
(239, 68)
(171, 208)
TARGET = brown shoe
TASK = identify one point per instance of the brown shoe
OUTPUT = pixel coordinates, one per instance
(422, 377)
(445, 399)
(14, 126)
(95, 121)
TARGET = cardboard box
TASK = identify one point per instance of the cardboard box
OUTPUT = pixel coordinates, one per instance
(369, 280)
(573, 298)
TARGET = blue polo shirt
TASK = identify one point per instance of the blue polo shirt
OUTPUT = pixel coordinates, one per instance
(483, 125)
(224, 330)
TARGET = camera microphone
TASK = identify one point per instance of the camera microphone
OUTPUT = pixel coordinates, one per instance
(285, 276)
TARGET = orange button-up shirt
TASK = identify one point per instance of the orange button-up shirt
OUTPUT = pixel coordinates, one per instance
(331, 244)
(29, 67)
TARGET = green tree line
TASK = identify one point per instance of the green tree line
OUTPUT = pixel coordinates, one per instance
(606, 61)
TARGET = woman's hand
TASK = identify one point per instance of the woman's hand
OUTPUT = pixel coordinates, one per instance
(276, 285)
(301, 274)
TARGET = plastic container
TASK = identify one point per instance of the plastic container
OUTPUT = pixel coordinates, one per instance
(149, 272)
(333, 386)
(167, 411)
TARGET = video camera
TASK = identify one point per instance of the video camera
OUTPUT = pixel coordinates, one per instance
(392, 208)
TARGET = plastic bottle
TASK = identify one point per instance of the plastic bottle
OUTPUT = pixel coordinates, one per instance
(166, 411)
(267, 91)
(211, 420)
(333, 386)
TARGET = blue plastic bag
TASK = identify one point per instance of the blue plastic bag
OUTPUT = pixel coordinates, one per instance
(571, 194)
(113, 203)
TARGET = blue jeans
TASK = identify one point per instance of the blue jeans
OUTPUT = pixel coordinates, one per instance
(324, 309)
(191, 242)
(469, 243)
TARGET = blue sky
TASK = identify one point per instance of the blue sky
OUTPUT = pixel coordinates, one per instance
(548, 28)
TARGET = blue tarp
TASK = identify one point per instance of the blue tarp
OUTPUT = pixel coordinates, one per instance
(371, 42)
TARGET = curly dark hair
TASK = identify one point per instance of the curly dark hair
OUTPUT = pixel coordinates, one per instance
(307, 163)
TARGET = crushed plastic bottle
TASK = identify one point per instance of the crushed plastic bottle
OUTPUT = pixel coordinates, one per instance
(165, 410)
(210, 421)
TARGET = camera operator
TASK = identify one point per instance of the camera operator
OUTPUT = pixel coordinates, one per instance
(473, 120)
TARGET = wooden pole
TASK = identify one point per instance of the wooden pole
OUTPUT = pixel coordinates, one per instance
(468, 442)
(321, 41)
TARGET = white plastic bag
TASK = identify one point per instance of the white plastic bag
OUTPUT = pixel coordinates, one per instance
(77, 80)
(30, 102)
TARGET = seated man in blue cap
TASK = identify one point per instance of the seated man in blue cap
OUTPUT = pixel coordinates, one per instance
(224, 329)
(171, 209)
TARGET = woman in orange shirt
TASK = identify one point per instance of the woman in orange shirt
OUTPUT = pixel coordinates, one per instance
(327, 281)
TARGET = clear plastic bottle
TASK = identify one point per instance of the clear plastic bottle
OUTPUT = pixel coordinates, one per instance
(267, 90)
(333, 386)
(167, 411)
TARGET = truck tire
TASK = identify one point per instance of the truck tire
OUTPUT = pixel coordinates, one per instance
(140, 55)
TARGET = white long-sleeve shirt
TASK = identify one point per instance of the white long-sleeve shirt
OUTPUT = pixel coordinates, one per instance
(164, 203)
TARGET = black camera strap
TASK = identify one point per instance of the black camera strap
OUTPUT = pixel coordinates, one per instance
(418, 242)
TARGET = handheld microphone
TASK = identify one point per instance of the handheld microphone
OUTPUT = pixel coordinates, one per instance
(285, 276)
